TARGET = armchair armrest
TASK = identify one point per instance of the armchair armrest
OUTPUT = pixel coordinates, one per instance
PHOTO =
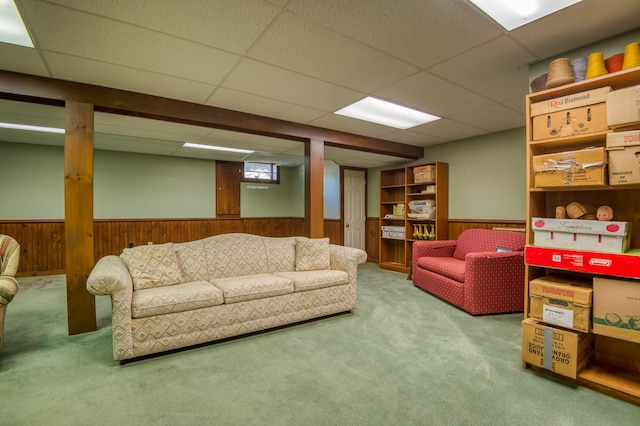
(494, 281)
(437, 248)
(8, 289)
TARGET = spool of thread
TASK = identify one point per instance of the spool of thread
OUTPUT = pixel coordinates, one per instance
(539, 83)
(579, 67)
(614, 63)
(595, 66)
(560, 73)
(631, 56)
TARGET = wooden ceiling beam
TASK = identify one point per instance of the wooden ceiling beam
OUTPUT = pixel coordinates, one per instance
(37, 89)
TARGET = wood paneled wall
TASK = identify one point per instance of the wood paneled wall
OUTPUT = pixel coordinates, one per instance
(43, 253)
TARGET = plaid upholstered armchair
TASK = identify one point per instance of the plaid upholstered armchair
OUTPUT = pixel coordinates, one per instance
(481, 272)
(9, 257)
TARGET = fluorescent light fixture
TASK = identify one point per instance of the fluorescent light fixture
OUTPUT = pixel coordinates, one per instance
(12, 29)
(515, 13)
(386, 113)
(31, 128)
(217, 148)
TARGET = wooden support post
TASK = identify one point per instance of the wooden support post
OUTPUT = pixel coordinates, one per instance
(314, 188)
(78, 214)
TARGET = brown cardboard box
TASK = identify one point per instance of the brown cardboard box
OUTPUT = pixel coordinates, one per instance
(561, 300)
(423, 174)
(571, 122)
(562, 351)
(575, 100)
(623, 107)
(623, 149)
(570, 168)
(616, 308)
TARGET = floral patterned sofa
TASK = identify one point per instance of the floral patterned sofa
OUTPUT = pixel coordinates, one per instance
(174, 295)
(481, 272)
(9, 259)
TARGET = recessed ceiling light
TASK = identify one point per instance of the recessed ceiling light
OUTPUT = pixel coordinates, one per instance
(386, 113)
(31, 128)
(12, 29)
(515, 13)
(217, 148)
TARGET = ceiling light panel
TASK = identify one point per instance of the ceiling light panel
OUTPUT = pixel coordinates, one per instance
(515, 13)
(386, 113)
(12, 29)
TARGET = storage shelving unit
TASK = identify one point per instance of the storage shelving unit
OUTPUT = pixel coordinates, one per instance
(615, 366)
(397, 186)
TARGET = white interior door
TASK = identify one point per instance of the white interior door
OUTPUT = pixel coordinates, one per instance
(354, 208)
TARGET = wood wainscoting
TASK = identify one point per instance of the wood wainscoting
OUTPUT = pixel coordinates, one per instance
(455, 228)
(42, 248)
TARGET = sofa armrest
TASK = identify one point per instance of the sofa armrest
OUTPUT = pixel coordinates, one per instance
(494, 277)
(8, 289)
(111, 277)
(346, 259)
(436, 248)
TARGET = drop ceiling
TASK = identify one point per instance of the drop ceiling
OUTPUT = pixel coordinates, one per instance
(295, 60)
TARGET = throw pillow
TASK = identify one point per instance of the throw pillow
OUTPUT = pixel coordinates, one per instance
(152, 266)
(312, 254)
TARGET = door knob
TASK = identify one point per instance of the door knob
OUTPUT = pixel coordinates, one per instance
(347, 225)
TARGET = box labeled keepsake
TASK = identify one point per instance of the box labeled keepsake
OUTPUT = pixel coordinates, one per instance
(575, 100)
(561, 300)
(616, 308)
(562, 351)
(623, 149)
(570, 122)
(570, 168)
(393, 232)
(581, 234)
(623, 107)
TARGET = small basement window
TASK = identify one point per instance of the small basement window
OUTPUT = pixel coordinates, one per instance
(261, 172)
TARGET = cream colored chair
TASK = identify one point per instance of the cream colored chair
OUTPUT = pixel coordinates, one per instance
(9, 258)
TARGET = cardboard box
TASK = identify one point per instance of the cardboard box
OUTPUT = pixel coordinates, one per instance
(561, 300)
(571, 122)
(616, 308)
(561, 351)
(575, 100)
(570, 168)
(424, 174)
(623, 107)
(623, 149)
(580, 234)
(621, 265)
(393, 232)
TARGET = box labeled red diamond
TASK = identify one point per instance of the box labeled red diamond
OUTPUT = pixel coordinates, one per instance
(580, 234)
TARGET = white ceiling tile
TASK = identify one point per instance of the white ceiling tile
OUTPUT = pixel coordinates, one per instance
(61, 30)
(89, 71)
(254, 104)
(22, 59)
(147, 128)
(315, 51)
(493, 118)
(112, 142)
(229, 25)
(432, 94)
(498, 69)
(420, 32)
(283, 85)
(449, 129)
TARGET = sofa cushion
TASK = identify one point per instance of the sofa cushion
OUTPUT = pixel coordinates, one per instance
(250, 287)
(281, 254)
(485, 240)
(311, 280)
(231, 255)
(192, 260)
(152, 266)
(175, 298)
(450, 267)
(312, 254)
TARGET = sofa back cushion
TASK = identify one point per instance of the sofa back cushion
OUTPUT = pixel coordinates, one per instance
(281, 254)
(312, 254)
(235, 254)
(484, 240)
(151, 266)
(192, 260)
